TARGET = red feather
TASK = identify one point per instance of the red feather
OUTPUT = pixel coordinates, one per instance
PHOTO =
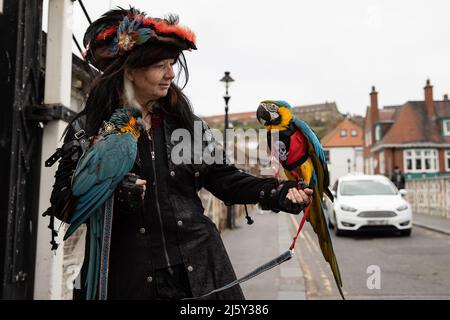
(163, 27)
(107, 32)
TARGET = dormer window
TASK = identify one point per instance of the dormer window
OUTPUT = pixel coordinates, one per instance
(354, 133)
(446, 127)
(343, 133)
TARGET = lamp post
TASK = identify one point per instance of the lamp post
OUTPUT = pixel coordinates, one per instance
(227, 79)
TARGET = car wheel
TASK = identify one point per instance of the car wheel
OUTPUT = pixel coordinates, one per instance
(405, 233)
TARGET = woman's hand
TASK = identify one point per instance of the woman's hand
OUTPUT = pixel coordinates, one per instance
(130, 193)
(289, 196)
(141, 182)
(299, 196)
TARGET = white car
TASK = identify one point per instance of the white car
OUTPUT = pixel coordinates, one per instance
(368, 202)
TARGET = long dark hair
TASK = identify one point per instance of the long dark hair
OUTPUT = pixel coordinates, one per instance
(106, 91)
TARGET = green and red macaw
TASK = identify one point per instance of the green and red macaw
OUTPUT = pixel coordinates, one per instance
(302, 156)
(99, 171)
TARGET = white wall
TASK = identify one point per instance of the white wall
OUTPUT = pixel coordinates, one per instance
(58, 78)
(430, 196)
(338, 165)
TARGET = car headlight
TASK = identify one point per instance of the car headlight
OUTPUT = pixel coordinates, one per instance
(403, 207)
(348, 208)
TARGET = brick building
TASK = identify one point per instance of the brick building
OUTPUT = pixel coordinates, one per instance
(414, 136)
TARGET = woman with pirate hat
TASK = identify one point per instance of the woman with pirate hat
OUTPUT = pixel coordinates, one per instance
(162, 246)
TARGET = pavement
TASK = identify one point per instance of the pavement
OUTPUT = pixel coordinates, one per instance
(250, 246)
(431, 222)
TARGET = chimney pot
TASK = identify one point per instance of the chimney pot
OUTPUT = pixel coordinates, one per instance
(446, 97)
(429, 102)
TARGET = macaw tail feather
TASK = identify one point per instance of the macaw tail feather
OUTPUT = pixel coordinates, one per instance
(106, 242)
(320, 226)
(95, 227)
(100, 225)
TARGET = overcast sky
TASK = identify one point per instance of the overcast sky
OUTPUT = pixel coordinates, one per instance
(306, 52)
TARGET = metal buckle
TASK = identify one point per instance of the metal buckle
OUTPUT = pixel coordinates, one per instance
(80, 134)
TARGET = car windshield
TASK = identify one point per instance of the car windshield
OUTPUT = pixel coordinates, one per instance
(367, 187)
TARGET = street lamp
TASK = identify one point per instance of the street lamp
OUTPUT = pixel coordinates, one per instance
(227, 79)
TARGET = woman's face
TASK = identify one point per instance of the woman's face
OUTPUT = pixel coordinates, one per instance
(153, 82)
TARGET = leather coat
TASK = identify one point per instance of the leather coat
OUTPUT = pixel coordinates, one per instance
(203, 254)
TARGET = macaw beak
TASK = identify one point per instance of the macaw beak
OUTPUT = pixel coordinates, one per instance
(267, 114)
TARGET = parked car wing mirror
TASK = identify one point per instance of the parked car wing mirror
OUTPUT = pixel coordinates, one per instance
(403, 192)
(333, 193)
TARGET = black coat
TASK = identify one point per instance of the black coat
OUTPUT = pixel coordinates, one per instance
(202, 250)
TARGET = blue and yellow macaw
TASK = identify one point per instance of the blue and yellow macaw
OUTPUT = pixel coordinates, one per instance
(98, 173)
(302, 157)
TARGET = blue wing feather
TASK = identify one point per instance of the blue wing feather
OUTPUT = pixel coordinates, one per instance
(91, 201)
(101, 170)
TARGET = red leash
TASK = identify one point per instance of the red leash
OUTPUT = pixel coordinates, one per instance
(305, 215)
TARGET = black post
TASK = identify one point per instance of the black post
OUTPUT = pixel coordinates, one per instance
(226, 98)
(230, 208)
(20, 144)
(227, 79)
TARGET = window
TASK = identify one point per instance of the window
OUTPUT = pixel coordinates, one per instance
(343, 133)
(354, 133)
(367, 187)
(421, 160)
(447, 160)
(446, 127)
(378, 133)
